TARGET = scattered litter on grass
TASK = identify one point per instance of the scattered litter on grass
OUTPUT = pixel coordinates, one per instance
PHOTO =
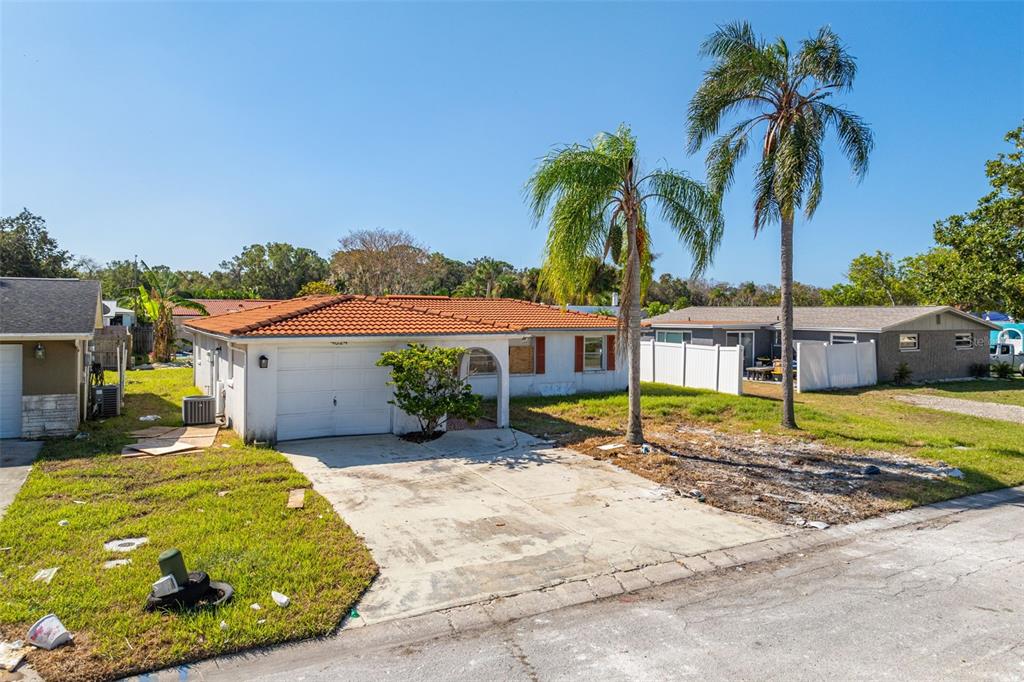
(149, 417)
(353, 614)
(224, 625)
(223, 493)
(45, 574)
(125, 544)
(6, 549)
(820, 525)
(955, 473)
(48, 633)
(611, 446)
(296, 498)
(114, 563)
(261, 621)
(255, 607)
(78, 501)
(63, 522)
(12, 654)
(225, 445)
(280, 599)
(82, 435)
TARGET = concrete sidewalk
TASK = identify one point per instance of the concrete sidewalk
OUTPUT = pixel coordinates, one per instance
(480, 514)
(16, 457)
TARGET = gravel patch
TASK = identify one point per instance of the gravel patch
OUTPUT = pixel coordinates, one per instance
(974, 408)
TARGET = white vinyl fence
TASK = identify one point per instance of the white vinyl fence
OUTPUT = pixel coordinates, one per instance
(719, 368)
(821, 366)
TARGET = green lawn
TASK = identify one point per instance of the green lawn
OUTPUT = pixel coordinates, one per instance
(990, 453)
(1006, 391)
(245, 537)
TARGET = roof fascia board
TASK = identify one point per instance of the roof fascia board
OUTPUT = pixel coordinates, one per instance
(70, 336)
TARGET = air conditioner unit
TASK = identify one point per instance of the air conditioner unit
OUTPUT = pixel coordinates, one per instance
(107, 399)
(198, 409)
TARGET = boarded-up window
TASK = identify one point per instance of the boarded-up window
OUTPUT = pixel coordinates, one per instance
(520, 359)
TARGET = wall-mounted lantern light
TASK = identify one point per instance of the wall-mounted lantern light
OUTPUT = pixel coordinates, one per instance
(40, 352)
(264, 362)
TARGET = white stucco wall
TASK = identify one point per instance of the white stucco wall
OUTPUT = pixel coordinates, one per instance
(560, 377)
(251, 400)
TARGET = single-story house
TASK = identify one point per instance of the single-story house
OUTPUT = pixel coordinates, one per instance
(115, 315)
(214, 306)
(46, 327)
(306, 367)
(935, 342)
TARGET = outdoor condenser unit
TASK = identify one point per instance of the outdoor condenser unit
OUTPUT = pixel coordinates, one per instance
(106, 400)
(198, 409)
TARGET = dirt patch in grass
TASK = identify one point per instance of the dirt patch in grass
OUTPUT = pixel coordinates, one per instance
(774, 477)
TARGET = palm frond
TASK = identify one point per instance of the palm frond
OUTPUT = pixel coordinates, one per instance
(692, 211)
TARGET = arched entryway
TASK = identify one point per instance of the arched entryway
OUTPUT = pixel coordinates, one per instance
(487, 370)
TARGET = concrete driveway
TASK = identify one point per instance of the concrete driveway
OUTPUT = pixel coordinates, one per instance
(16, 457)
(485, 513)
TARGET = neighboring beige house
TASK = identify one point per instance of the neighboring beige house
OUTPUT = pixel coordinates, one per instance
(46, 327)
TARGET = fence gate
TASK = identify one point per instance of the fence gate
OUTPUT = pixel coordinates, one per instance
(142, 339)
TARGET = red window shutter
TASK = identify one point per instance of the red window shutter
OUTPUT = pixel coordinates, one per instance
(579, 353)
(610, 362)
(538, 355)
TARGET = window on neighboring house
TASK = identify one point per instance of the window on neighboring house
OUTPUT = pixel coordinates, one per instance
(521, 357)
(481, 363)
(593, 352)
(908, 342)
(673, 337)
(964, 341)
(836, 338)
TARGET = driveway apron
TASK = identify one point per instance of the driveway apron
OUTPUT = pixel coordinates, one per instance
(484, 513)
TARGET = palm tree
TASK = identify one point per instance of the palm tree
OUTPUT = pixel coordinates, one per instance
(599, 199)
(155, 300)
(791, 94)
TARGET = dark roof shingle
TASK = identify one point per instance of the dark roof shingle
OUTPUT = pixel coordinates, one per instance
(48, 306)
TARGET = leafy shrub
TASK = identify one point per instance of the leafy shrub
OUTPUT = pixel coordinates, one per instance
(979, 370)
(902, 374)
(1003, 370)
(428, 386)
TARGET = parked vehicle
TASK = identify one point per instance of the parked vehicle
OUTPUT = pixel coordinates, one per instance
(1006, 352)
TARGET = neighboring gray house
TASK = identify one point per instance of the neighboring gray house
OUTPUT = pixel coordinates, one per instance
(936, 342)
(46, 326)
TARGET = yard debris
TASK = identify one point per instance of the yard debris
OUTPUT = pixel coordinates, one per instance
(223, 493)
(159, 440)
(125, 544)
(296, 498)
(45, 574)
(224, 625)
(697, 495)
(779, 477)
(149, 417)
(611, 446)
(955, 473)
(12, 654)
(48, 633)
(114, 563)
(63, 523)
(81, 435)
(353, 614)
(820, 525)
(280, 599)
(255, 607)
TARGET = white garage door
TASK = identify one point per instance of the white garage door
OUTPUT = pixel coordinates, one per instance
(332, 392)
(10, 390)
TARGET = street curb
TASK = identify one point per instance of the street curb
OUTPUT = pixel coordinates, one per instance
(459, 620)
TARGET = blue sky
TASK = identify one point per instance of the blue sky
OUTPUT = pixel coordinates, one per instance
(181, 132)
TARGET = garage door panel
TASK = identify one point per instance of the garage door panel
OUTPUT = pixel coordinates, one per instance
(293, 381)
(308, 401)
(306, 358)
(10, 390)
(332, 391)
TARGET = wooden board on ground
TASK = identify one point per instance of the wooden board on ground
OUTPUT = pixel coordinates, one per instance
(296, 498)
(155, 431)
(173, 449)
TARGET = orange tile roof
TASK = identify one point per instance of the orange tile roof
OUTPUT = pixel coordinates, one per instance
(219, 306)
(350, 315)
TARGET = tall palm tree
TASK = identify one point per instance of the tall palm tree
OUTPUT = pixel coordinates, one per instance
(155, 300)
(599, 198)
(791, 94)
